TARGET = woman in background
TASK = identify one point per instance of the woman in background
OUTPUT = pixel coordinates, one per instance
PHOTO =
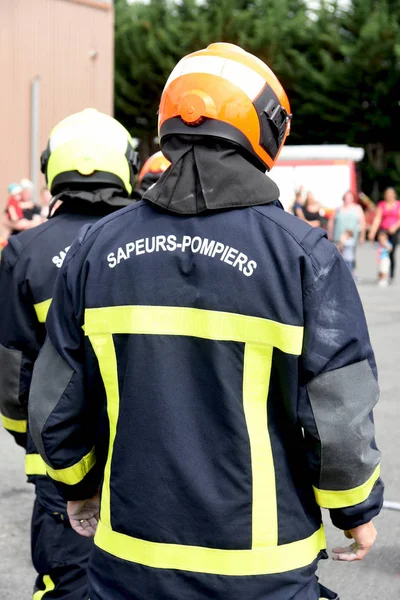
(387, 219)
(312, 211)
(350, 216)
(298, 204)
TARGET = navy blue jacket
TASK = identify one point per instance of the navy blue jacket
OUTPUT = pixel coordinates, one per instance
(215, 376)
(29, 267)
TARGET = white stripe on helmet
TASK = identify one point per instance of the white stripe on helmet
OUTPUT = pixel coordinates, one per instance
(249, 81)
(101, 132)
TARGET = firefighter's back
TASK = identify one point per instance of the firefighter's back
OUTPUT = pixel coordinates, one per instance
(206, 479)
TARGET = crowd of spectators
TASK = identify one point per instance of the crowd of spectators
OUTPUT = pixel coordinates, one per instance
(21, 212)
(347, 227)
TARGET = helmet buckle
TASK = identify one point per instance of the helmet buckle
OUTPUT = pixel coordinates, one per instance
(195, 106)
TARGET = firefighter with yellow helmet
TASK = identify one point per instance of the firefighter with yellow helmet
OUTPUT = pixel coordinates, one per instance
(90, 167)
(233, 374)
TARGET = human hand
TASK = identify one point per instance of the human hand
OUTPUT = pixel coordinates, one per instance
(364, 538)
(371, 236)
(84, 515)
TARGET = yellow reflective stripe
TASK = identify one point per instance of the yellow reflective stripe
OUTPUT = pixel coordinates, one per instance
(258, 561)
(49, 586)
(18, 426)
(42, 308)
(260, 336)
(35, 465)
(103, 347)
(345, 498)
(195, 322)
(257, 370)
(74, 474)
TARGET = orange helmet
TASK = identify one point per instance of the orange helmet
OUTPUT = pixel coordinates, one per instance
(156, 165)
(225, 92)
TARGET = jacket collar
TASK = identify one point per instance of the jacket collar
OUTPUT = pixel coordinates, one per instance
(208, 176)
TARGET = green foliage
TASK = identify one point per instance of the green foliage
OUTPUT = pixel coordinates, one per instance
(340, 65)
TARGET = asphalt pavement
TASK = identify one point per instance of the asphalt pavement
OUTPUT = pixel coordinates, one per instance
(376, 578)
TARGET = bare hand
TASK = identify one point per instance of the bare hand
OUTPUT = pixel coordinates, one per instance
(364, 538)
(84, 515)
(371, 236)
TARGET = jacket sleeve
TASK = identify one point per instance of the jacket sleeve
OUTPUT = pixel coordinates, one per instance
(64, 408)
(338, 392)
(21, 336)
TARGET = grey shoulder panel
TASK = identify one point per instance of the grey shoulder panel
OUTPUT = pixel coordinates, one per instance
(342, 401)
(10, 372)
(51, 376)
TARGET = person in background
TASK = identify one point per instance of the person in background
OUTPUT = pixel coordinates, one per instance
(384, 251)
(45, 199)
(311, 211)
(347, 248)
(151, 171)
(298, 204)
(14, 210)
(27, 189)
(20, 213)
(388, 219)
(349, 217)
(31, 211)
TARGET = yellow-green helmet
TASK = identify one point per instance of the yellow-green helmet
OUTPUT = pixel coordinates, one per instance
(91, 150)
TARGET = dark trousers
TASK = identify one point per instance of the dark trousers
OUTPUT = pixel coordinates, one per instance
(59, 555)
(393, 239)
(113, 578)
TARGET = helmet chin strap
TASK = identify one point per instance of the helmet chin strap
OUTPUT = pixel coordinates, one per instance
(134, 161)
(52, 204)
(44, 159)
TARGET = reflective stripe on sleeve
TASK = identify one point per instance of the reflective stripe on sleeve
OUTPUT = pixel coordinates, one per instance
(49, 586)
(35, 465)
(19, 426)
(346, 498)
(74, 474)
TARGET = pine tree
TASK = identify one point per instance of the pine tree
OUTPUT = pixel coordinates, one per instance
(349, 88)
(340, 64)
(151, 38)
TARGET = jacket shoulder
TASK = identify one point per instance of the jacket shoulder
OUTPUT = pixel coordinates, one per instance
(312, 241)
(19, 242)
(89, 233)
(33, 241)
(300, 231)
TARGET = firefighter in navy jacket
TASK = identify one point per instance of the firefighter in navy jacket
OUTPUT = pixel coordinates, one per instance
(89, 165)
(215, 376)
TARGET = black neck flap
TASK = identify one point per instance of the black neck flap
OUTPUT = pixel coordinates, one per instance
(101, 201)
(208, 175)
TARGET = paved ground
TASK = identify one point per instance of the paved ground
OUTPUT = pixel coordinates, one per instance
(376, 578)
